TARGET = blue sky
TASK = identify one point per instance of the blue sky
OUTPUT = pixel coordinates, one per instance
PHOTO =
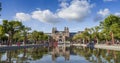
(42, 15)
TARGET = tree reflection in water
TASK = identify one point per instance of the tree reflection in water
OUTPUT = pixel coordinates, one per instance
(34, 54)
(23, 55)
(37, 53)
(98, 55)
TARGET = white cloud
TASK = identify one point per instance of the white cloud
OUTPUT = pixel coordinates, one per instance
(117, 14)
(1, 21)
(77, 10)
(64, 4)
(98, 18)
(22, 16)
(45, 16)
(104, 12)
(101, 14)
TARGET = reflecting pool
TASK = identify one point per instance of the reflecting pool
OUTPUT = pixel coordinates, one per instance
(70, 54)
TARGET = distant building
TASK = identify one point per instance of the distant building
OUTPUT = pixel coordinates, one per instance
(60, 35)
(79, 32)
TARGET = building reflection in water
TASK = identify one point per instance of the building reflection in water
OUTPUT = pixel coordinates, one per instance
(61, 51)
(59, 54)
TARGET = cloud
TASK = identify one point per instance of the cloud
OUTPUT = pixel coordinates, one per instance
(98, 18)
(1, 21)
(45, 16)
(101, 14)
(104, 12)
(64, 4)
(22, 16)
(117, 14)
(77, 10)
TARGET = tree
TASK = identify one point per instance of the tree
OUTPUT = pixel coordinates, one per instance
(85, 36)
(17, 37)
(36, 36)
(24, 31)
(95, 33)
(10, 28)
(115, 28)
(110, 27)
(1, 32)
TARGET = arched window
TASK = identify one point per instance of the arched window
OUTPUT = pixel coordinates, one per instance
(60, 36)
(60, 40)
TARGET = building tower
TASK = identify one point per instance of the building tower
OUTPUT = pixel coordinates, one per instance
(54, 33)
(66, 35)
(54, 29)
(66, 29)
(60, 36)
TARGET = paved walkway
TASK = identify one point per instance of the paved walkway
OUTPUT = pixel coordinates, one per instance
(102, 46)
(15, 47)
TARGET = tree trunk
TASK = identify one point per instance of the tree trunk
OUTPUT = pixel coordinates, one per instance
(106, 41)
(97, 40)
(35, 41)
(112, 38)
(83, 41)
(10, 37)
(25, 40)
(8, 42)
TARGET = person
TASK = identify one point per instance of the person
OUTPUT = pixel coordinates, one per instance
(18, 43)
(23, 43)
(0, 45)
(117, 42)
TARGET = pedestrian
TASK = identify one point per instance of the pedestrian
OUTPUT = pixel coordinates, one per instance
(0, 44)
(23, 43)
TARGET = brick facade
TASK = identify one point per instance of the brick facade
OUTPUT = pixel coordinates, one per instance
(60, 35)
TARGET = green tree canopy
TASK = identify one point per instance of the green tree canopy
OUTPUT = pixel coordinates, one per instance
(10, 28)
(111, 24)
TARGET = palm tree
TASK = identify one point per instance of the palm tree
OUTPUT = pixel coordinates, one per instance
(111, 25)
(86, 35)
(95, 33)
(24, 31)
(36, 36)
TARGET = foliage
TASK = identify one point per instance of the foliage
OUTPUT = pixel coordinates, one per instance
(37, 36)
(15, 31)
(111, 24)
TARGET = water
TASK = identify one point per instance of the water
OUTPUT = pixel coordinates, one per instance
(60, 55)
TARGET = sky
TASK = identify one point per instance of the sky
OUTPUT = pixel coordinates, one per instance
(43, 15)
